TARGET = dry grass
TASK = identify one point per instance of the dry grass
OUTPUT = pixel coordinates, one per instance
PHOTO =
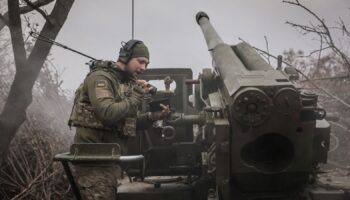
(29, 172)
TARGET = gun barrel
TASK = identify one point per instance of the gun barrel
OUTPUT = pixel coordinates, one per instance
(211, 36)
(225, 60)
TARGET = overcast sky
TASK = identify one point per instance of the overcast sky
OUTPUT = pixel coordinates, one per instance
(170, 31)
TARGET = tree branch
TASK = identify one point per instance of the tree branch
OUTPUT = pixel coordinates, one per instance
(307, 29)
(15, 26)
(322, 29)
(30, 4)
(343, 27)
(37, 4)
(23, 10)
(315, 51)
(34, 181)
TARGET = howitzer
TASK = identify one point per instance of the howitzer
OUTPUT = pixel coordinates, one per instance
(244, 131)
(257, 135)
(274, 134)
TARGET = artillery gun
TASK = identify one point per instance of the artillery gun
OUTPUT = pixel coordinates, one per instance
(247, 132)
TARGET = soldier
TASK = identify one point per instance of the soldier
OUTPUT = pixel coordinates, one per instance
(106, 111)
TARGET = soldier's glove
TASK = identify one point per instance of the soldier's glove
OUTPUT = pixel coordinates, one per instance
(147, 87)
(137, 95)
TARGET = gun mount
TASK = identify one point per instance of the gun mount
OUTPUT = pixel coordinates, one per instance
(242, 130)
(272, 124)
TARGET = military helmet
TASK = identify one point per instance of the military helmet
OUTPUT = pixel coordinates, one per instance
(132, 49)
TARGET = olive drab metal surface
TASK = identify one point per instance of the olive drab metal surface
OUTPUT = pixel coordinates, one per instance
(272, 124)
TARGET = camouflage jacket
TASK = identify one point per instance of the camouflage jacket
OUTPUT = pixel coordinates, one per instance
(101, 105)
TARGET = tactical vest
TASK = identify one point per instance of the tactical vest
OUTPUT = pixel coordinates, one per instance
(83, 113)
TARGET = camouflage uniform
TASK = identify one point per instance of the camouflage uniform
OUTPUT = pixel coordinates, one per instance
(102, 105)
(97, 183)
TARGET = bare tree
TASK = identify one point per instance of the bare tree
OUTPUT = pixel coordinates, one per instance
(23, 10)
(27, 67)
(323, 32)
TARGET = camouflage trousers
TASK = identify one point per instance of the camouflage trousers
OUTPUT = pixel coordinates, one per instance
(96, 182)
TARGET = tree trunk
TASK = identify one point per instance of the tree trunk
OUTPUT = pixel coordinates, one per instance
(23, 10)
(27, 71)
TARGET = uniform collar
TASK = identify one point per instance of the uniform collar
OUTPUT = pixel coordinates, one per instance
(123, 76)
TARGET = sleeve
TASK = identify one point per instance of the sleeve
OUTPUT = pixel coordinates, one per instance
(102, 98)
(143, 121)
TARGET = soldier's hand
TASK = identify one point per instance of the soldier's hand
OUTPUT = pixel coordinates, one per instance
(146, 86)
(142, 83)
(160, 115)
(137, 95)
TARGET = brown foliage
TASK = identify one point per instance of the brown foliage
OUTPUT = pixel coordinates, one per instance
(28, 171)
